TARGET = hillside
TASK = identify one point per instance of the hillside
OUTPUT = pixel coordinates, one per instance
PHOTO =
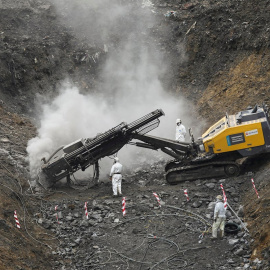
(207, 57)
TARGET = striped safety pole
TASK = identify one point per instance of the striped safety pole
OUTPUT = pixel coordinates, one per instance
(85, 210)
(124, 206)
(185, 192)
(55, 208)
(224, 197)
(17, 220)
(252, 181)
(158, 199)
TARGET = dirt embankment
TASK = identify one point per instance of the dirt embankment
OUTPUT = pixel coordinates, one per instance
(20, 248)
(226, 67)
(256, 210)
(37, 52)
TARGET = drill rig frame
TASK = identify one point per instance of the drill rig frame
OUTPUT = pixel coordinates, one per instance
(81, 154)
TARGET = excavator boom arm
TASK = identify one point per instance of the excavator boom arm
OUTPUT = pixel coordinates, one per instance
(173, 148)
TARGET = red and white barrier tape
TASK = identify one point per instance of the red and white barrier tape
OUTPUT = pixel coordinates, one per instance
(17, 220)
(158, 199)
(224, 197)
(185, 192)
(55, 208)
(85, 210)
(255, 188)
(124, 206)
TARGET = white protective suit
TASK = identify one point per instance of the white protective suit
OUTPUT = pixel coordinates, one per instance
(180, 133)
(219, 217)
(116, 174)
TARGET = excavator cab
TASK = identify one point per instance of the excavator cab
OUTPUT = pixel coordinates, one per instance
(247, 132)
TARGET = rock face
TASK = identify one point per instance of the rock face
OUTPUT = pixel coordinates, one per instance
(15, 4)
(207, 44)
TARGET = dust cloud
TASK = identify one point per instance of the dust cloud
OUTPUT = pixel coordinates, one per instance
(129, 87)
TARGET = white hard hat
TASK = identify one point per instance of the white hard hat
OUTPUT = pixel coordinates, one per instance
(116, 159)
(219, 197)
(178, 121)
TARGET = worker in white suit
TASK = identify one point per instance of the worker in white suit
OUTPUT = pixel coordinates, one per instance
(116, 177)
(219, 218)
(180, 132)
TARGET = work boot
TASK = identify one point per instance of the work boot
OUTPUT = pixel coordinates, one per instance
(114, 196)
(213, 238)
(120, 195)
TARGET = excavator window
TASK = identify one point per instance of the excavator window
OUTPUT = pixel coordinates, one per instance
(227, 117)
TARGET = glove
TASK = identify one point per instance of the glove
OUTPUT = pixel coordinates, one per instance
(111, 178)
(215, 219)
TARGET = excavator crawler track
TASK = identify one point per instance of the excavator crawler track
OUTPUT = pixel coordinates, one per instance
(221, 169)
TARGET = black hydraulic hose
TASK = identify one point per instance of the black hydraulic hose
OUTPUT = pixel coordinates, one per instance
(60, 148)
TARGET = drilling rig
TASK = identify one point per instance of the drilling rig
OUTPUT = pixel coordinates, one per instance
(81, 154)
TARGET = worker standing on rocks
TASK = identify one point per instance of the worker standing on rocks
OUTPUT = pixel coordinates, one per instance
(219, 218)
(116, 177)
(180, 133)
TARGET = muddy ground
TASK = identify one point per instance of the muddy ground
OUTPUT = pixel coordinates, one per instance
(227, 68)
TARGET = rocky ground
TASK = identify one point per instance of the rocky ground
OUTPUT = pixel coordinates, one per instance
(173, 236)
(226, 69)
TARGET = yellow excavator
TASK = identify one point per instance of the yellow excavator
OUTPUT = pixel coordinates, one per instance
(223, 149)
